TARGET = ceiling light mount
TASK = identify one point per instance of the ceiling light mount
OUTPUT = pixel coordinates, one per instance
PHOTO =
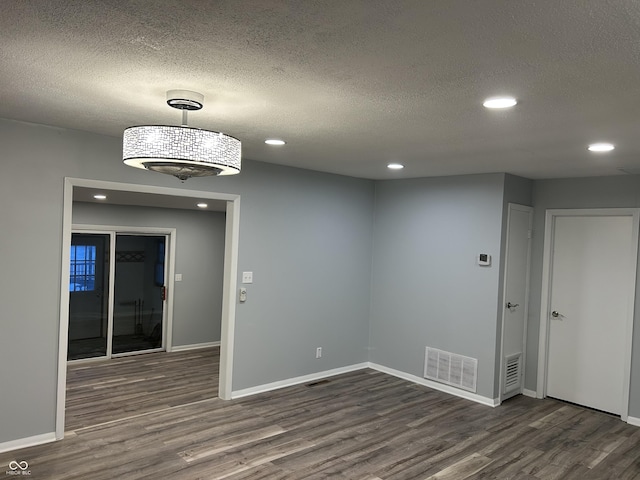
(185, 100)
(181, 151)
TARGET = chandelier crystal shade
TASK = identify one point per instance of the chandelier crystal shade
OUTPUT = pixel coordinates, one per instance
(181, 151)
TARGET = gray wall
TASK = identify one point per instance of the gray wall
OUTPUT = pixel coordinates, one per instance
(600, 192)
(305, 235)
(327, 272)
(199, 258)
(308, 239)
(427, 289)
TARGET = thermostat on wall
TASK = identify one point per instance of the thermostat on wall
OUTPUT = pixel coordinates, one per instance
(484, 259)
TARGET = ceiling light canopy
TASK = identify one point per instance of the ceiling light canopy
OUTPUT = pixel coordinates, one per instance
(500, 102)
(601, 147)
(274, 141)
(395, 166)
(100, 196)
(181, 151)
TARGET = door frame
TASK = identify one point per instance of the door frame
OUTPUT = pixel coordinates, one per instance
(230, 279)
(529, 210)
(543, 342)
(167, 312)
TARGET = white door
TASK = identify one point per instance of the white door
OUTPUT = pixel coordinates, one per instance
(515, 299)
(591, 301)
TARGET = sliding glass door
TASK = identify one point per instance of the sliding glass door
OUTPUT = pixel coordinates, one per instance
(139, 293)
(88, 295)
(128, 320)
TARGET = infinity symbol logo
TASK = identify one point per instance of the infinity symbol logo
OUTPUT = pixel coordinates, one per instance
(18, 465)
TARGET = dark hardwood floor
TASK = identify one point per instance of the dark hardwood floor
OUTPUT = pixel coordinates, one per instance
(104, 391)
(155, 416)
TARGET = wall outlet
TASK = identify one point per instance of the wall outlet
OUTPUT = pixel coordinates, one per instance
(484, 259)
(318, 352)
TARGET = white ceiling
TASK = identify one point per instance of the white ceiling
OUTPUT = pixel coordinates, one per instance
(349, 84)
(120, 197)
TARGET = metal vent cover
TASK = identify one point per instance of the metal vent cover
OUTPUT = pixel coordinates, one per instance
(451, 369)
(512, 373)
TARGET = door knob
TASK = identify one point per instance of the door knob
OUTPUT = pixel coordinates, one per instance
(555, 314)
(512, 305)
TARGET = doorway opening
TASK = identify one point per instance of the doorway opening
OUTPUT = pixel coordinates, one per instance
(163, 198)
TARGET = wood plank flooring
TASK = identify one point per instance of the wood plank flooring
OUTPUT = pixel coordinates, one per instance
(363, 425)
(104, 391)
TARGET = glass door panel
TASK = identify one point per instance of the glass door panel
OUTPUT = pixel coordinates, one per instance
(88, 295)
(138, 293)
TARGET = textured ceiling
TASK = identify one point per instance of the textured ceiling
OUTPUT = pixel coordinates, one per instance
(349, 84)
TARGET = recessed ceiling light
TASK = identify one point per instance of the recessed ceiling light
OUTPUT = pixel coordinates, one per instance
(274, 141)
(500, 102)
(601, 147)
(202, 205)
(395, 166)
(100, 196)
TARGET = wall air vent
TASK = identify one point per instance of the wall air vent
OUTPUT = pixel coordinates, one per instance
(512, 373)
(451, 369)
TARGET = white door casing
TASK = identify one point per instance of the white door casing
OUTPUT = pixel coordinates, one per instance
(588, 294)
(515, 296)
(232, 234)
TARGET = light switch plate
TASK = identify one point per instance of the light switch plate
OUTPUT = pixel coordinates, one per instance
(178, 277)
(247, 277)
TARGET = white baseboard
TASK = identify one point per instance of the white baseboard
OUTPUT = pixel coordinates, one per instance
(491, 402)
(267, 387)
(27, 442)
(195, 346)
(359, 366)
(529, 393)
(635, 421)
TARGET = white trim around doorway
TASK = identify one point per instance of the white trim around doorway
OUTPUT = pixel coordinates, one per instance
(549, 231)
(232, 232)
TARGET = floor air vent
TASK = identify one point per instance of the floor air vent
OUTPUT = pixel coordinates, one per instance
(451, 369)
(319, 382)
